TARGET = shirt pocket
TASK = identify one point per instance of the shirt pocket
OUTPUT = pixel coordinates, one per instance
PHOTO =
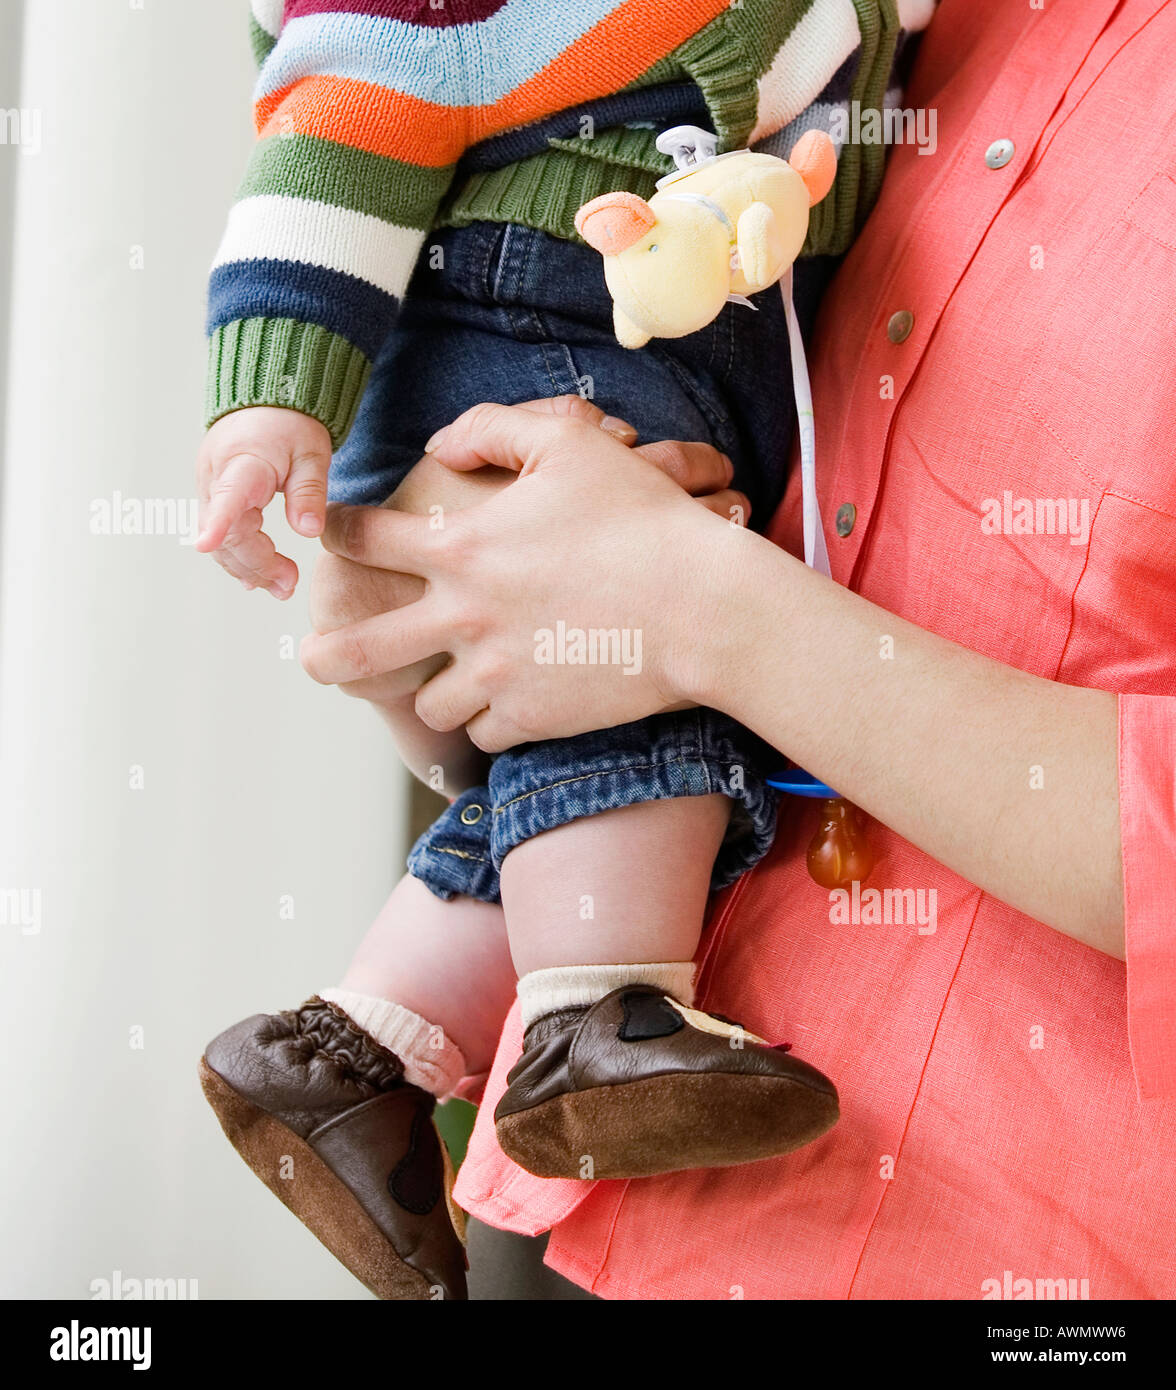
(1103, 380)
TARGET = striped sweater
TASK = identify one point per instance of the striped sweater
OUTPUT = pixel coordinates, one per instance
(378, 120)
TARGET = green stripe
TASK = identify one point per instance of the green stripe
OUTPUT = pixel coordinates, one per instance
(282, 362)
(260, 41)
(545, 191)
(729, 55)
(746, 36)
(305, 166)
(627, 147)
(874, 156)
(834, 222)
(763, 26)
(717, 60)
(666, 69)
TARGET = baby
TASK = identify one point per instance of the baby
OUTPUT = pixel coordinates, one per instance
(403, 247)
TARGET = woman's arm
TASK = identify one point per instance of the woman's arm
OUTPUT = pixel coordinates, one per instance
(1008, 779)
(941, 744)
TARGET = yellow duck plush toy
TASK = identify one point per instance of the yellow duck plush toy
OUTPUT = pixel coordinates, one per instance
(723, 226)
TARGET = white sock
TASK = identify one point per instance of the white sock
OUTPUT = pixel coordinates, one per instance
(431, 1060)
(565, 986)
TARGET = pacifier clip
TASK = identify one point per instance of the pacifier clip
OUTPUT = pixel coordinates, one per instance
(840, 852)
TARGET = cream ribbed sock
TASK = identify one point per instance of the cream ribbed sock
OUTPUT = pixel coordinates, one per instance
(431, 1060)
(565, 986)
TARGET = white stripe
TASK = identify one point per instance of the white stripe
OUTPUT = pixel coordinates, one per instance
(916, 14)
(268, 14)
(297, 229)
(803, 66)
(816, 554)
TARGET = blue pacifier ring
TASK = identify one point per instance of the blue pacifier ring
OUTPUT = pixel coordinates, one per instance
(796, 782)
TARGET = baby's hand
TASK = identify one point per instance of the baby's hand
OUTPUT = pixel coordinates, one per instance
(244, 459)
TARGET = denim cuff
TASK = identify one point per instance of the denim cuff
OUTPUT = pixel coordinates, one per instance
(694, 752)
(541, 786)
(452, 858)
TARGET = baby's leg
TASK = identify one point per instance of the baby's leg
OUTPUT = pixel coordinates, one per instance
(447, 962)
(608, 845)
(625, 887)
(330, 1103)
(443, 963)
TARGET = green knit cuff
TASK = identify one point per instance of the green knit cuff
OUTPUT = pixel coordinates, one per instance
(544, 191)
(286, 363)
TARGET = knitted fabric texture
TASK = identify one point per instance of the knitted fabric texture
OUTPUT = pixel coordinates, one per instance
(380, 119)
(573, 986)
(431, 1060)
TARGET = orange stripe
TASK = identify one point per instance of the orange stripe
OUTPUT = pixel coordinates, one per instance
(384, 122)
(367, 116)
(608, 57)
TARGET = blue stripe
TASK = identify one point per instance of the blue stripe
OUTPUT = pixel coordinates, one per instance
(672, 103)
(344, 304)
(463, 65)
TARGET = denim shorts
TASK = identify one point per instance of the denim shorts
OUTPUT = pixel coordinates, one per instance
(499, 312)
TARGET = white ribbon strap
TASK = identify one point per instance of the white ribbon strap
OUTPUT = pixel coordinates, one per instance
(816, 556)
(690, 147)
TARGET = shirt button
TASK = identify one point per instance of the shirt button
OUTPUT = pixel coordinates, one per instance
(898, 330)
(471, 814)
(846, 516)
(998, 154)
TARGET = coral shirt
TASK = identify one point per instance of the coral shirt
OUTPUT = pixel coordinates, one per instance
(1008, 1094)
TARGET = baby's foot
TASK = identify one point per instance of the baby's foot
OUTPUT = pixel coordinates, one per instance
(638, 1084)
(324, 1117)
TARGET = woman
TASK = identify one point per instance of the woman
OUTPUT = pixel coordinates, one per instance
(991, 678)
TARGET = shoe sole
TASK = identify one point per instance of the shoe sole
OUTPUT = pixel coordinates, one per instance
(666, 1124)
(324, 1204)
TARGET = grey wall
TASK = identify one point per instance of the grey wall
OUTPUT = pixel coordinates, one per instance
(11, 15)
(168, 776)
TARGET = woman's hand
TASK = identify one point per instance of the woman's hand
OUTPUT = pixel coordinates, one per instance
(566, 600)
(933, 745)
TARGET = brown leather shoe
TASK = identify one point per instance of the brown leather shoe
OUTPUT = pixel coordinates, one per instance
(324, 1117)
(638, 1084)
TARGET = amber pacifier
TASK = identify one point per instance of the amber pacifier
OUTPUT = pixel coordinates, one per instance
(840, 852)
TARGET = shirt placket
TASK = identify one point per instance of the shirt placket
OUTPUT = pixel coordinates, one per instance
(985, 172)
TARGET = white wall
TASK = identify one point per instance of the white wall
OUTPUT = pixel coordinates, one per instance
(159, 907)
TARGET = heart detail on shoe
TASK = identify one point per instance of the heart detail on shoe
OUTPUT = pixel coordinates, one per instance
(649, 1016)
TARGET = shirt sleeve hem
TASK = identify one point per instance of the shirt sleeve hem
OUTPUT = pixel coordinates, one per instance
(1147, 809)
